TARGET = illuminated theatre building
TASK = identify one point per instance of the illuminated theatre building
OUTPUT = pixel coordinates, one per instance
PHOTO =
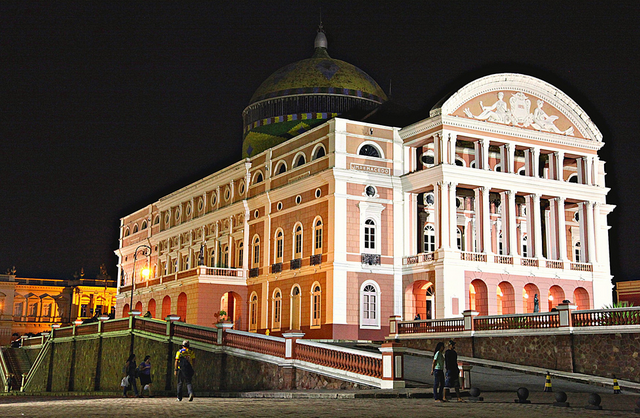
(496, 203)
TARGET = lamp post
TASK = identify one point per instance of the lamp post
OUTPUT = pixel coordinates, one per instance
(146, 250)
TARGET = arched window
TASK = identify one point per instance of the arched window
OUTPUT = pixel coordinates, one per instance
(297, 241)
(500, 246)
(224, 252)
(369, 234)
(182, 306)
(258, 177)
(126, 232)
(315, 305)
(369, 305)
(497, 168)
(277, 310)
(299, 160)
(459, 240)
(428, 159)
(369, 150)
(253, 313)
(319, 152)
(429, 244)
(573, 178)
(240, 257)
(156, 220)
(256, 252)
(295, 307)
(144, 225)
(212, 258)
(151, 307)
(459, 162)
(125, 310)
(281, 167)
(279, 246)
(472, 164)
(317, 237)
(522, 172)
(576, 253)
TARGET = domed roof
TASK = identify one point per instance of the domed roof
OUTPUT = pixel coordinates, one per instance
(304, 94)
(319, 74)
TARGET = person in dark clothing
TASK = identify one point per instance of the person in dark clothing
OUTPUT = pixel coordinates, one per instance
(185, 362)
(452, 375)
(130, 371)
(437, 370)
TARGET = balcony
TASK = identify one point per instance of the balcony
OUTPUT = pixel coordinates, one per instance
(420, 258)
(203, 273)
(315, 260)
(370, 259)
(276, 268)
(503, 259)
(254, 272)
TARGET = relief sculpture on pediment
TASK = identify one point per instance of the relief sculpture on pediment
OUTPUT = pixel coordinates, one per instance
(518, 113)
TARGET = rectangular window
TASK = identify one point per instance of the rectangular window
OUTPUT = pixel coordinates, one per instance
(298, 245)
(369, 238)
(318, 239)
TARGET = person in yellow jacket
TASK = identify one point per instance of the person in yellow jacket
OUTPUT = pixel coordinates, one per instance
(185, 361)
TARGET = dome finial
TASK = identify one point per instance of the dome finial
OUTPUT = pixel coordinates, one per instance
(321, 38)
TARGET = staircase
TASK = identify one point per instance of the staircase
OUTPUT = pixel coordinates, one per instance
(18, 363)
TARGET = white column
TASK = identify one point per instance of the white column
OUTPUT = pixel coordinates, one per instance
(453, 216)
(594, 171)
(588, 170)
(486, 222)
(485, 154)
(511, 153)
(580, 162)
(535, 162)
(513, 237)
(559, 158)
(443, 216)
(552, 227)
(477, 148)
(562, 230)
(591, 248)
(582, 221)
(536, 227)
(437, 149)
(452, 147)
(478, 208)
(596, 230)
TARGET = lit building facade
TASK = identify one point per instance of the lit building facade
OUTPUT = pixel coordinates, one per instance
(496, 202)
(31, 305)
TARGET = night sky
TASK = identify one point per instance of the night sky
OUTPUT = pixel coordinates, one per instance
(107, 106)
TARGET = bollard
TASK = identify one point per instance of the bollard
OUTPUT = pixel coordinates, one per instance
(474, 395)
(547, 383)
(561, 400)
(616, 386)
(594, 402)
(523, 394)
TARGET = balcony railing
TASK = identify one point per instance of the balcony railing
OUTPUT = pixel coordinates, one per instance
(503, 259)
(431, 325)
(468, 256)
(554, 264)
(315, 259)
(185, 274)
(276, 268)
(295, 264)
(581, 266)
(541, 320)
(254, 272)
(370, 259)
(419, 258)
(529, 262)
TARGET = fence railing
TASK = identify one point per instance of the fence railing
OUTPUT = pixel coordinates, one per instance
(263, 344)
(340, 358)
(611, 317)
(469, 256)
(431, 325)
(564, 317)
(419, 258)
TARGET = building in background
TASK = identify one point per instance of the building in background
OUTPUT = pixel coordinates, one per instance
(29, 305)
(340, 216)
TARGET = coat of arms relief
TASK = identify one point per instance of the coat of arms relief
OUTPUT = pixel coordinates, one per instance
(518, 113)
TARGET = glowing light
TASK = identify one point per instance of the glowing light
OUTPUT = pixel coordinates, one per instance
(145, 272)
(551, 297)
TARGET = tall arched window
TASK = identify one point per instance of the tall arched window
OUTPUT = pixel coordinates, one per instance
(224, 253)
(369, 234)
(459, 240)
(277, 310)
(151, 307)
(525, 248)
(369, 305)
(429, 239)
(319, 152)
(297, 240)
(315, 305)
(240, 254)
(253, 313)
(295, 307)
(212, 258)
(576, 253)
(300, 160)
(279, 246)
(317, 237)
(166, 307)
(281, 167)
(256, 252)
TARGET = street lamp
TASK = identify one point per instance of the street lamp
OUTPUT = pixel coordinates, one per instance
(146, 250)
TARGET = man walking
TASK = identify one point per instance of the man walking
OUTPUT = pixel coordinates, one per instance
(185, 360)
(452, 375)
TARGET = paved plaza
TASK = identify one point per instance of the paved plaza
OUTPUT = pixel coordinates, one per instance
(496, 404)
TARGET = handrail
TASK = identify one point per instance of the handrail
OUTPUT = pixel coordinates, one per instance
(4, 370)
(431, 325)
(368, 364)
(43, 352)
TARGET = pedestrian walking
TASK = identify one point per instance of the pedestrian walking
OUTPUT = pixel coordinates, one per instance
(185, 361)
(130, 374)
(145, 376)
(452, 375)
(437, 370)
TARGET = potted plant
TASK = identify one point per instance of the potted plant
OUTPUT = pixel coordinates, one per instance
(223, 320)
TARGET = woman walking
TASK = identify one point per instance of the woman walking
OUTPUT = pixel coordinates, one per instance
(437, 370)
(145, 376)
(130, 372)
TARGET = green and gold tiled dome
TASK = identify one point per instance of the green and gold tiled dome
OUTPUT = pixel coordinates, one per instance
(303, 95)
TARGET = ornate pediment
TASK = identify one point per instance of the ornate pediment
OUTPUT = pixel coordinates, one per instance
(514, 108)
(520, 101)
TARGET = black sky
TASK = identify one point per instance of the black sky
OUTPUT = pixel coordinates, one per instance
(107, 106)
